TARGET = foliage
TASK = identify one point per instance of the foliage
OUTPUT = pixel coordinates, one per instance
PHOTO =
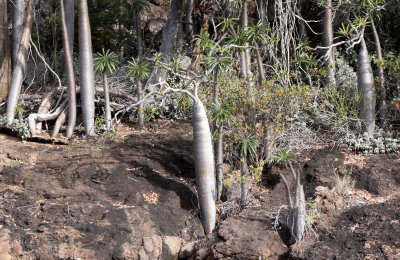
(138, 68)
(246, 144)
(283, 155)
(106, 61)
(381, 142)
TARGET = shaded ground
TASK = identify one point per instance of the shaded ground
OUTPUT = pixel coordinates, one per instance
(116, 199)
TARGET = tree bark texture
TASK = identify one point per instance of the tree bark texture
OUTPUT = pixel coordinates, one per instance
(168, 35)
(69, 8)
(247, 51)
(366, 88)
(382, 82)
(244, 182)
(19, 69)
(86, 69)
(204, 166)
(219, 155)
(5, 55)
(328, 40)
(260, 64)
(107, 101)
(189, 20)
(69, 68)
(18, 19)
(138, 27)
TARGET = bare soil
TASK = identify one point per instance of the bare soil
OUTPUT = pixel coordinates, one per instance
(95, 198)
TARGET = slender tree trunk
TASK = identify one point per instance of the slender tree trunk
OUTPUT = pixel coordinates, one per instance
(5, 55)
(158, 75)
(244, 182)
(69, 8)
(260, 64)
(204, 166)
(218, 147)
(140, 55)
(262, 11)
(69, 68)
(247, 51)
(328, 39)
(381, 75)
(367, 89)
(189, 20)
(107, 101)
(141, 106)
(86, 69)
(18, 19)
(138, 27)
(219, 155)
(19, 69)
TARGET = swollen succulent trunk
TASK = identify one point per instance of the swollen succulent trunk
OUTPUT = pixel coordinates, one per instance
(86, 68)
(296, 209)
(244, 182)
(19, 68)
(366, 88)
(204, 165)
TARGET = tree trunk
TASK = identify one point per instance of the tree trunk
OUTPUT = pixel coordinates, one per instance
(262, 11)
(381, 75)
(260, 64)
(18, 19)
(158, 75)
(19, 69)
(140, 96)
(244, 182)
(5, 56)
(219, 155)
(218, 147)
(328, 40)
(189, 20)
(139, 40)
(69, 8)
(367, 89)
(107, 101)
(86, 69)
(247, 52)
(69, 67)
(204, 166)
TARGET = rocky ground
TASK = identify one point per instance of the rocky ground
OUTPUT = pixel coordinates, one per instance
(133, 197)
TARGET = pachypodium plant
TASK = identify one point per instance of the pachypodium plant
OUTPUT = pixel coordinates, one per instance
(106, 63)
(139, 70)
(246, 144)
(222, 114)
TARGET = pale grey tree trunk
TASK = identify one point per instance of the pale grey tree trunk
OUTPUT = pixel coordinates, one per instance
(366, 88)
(260, 64)
(262, 11)
(218, 147)
(141, 106)
(86, 69)
(204, 166)
(158, 75)
(69, 8)
(247, 51)
(19, 69)
(244, 182)
(381, 75)
(107, 100)
(5, 54)
(69, 67)
(328, 40)
(18, 19)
